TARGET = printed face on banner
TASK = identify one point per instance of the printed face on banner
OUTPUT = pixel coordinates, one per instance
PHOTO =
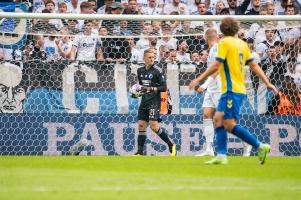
(12, 95)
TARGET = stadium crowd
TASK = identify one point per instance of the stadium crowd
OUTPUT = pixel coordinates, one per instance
(276, 46)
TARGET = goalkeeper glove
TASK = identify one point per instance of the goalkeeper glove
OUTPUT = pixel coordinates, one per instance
(145, 89)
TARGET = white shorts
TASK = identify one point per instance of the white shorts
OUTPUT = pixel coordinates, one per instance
(211, 99)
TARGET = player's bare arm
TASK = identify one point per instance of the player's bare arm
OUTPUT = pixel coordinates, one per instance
(204, 86)
(210, 71)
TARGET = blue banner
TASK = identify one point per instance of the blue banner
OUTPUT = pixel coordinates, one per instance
(13, 31)
(55, 134)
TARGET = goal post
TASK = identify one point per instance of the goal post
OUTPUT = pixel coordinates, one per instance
(65, 79)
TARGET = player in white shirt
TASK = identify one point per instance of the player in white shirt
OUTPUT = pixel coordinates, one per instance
(213, 91)
(84, 45)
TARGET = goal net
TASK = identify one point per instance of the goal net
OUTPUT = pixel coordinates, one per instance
(66, 81)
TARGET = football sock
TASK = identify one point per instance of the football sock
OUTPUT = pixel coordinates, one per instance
(208, 133)
(221, 139)
(141, 141)
(246, 136)
(163, 135)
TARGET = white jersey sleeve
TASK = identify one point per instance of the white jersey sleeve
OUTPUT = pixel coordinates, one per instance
(214, 85)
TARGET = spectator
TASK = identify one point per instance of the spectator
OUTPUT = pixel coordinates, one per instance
(270, 8)
(220, 5)
(39, 5)
(249, 73)
(43, 26)
(50, 6)
(106, 9)
(166, 38)
(186, 32)
(152, 8)
(93, 4)
(185, 28)
(274, 69)
(143, 42)
(133, 9)
(50, 47)
(164, 54)
(156, 27)
(27, 52)
(291, 48)
(238, 10)
(225, 11)
(10, 54)
(63, 10)
(195, 57)
(136, 54)
(204, 56)
(85, 44)
(255, 8)
(173, 56)
(103, 31)
(193, 7)
(202, 10)
(85, 8)
(38, 51)
(287, 101)
(290, 10)
(182, 55)
(263, 46)
(113, 25)
(74, 6)
(280, 50)
(72, 26)
(175, 5)
(65, 45)
(124, 29)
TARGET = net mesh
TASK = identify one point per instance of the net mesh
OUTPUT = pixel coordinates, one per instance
(65, 83)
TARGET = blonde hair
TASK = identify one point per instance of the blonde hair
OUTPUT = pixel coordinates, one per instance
(210, 33)
(150, 50)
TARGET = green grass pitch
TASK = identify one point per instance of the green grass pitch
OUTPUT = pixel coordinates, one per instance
(109, 177)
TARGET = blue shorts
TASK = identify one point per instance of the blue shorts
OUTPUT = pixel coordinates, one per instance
(230, 104)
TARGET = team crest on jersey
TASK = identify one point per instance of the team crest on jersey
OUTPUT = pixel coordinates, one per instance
(229, 103)
(14, 30)
(150, 76)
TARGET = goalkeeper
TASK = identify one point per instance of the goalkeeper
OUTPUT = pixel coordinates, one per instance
(152, 82)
